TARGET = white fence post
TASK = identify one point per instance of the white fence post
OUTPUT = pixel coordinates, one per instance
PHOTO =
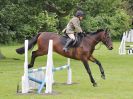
(25, 83)
(49, 72)
(122, 49)
(69, 79)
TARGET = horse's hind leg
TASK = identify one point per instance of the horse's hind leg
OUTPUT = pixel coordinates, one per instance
(34, 55)
(94, 60)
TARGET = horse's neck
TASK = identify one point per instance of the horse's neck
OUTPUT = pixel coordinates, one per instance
(97, 38)
(94, 39)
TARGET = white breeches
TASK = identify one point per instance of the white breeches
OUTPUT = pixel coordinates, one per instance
(71, 36)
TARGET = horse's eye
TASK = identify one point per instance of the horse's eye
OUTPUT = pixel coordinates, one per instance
(107, 36)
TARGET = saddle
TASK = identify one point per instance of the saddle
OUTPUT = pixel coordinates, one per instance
(77, 41)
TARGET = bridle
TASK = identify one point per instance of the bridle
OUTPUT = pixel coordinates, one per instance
(106, 39)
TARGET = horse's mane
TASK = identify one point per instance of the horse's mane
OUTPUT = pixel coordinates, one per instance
(93, 33)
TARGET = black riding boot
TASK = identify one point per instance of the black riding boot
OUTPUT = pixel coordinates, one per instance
(65, 49)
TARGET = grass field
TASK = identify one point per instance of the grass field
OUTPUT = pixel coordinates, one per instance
(118, 70)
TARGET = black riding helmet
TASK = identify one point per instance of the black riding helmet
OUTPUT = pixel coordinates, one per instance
(79, 13)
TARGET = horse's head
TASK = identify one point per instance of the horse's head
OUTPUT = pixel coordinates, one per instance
(106, 39)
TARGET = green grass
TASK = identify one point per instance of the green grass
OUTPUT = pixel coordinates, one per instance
(118, 83)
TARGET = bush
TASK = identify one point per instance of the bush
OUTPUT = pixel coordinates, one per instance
(23, 19)
(118, 23)
(18, 22)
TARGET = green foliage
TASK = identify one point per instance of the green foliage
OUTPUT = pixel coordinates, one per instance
(24, 18)
(6, 36)
(16, 22)
(118, 23)
(106, 14)
(47, 21)
(19, 22)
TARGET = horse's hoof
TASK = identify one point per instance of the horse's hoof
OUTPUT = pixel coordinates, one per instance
(94, 84)
(103, 76)
(30, 66)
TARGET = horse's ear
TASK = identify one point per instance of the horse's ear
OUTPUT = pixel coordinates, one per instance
(107, 30)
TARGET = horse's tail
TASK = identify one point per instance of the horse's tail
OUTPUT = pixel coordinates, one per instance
(31, 44)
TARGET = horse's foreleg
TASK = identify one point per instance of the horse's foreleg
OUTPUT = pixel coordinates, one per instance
(33, 57)
(85, 62)
(94, 60)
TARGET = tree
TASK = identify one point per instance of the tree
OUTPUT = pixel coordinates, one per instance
(106, 14)
(128, 6)
(25, 18)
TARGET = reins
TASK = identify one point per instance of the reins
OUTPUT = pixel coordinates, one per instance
(97, 41)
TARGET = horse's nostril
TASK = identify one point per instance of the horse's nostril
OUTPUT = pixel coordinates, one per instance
(111, 48)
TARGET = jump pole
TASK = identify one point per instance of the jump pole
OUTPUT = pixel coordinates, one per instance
(48, 79)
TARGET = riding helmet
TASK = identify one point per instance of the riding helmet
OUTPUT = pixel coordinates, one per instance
(79, 13)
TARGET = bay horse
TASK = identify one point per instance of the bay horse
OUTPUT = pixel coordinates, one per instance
(83, 52)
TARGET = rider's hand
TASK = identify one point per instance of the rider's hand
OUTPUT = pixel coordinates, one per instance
(84, 34)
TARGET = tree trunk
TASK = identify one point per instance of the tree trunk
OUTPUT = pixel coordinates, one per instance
(1, 55)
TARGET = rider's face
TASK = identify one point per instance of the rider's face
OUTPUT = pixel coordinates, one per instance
(80, 18)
